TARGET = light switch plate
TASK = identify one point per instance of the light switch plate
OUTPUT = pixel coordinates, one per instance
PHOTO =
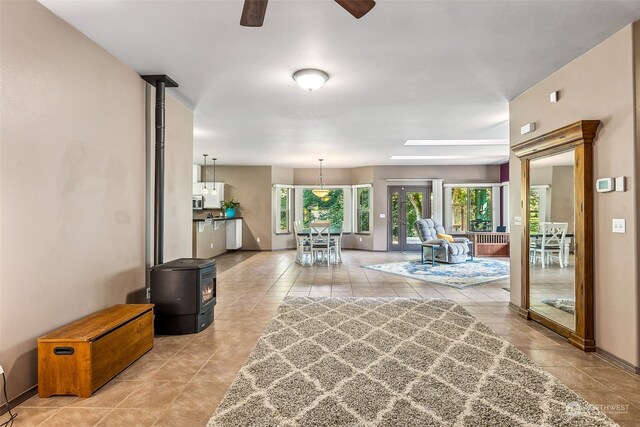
(620, 184)
(554, 96)
(517, 220)
(619, 225)
(383, 216)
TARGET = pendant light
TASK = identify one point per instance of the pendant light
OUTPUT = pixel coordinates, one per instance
(204, 185)
(214, 192)
(320, 192)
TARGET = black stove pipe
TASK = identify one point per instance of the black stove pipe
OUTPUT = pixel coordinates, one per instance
(160, 82)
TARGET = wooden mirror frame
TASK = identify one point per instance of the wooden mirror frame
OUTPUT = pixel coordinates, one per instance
(578, 136)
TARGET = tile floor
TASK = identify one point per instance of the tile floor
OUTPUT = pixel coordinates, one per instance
(553, 282)
(181, 381)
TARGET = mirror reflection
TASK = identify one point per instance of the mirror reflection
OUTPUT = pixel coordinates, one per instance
(551, 227)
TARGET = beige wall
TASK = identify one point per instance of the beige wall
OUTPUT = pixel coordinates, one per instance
(330, 176)
(178, 177)
(251, 186)
(562, 200)
(72, 182)
(597, 85)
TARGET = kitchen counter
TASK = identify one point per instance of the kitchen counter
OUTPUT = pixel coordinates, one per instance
(214, 236)
(216, 219)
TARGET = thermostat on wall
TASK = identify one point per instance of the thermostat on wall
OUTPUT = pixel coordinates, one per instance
(604, 185)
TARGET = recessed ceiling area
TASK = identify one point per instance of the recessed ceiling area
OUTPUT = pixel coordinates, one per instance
(408, 70)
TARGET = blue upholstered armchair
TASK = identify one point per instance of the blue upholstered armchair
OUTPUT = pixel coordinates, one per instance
(452, 253)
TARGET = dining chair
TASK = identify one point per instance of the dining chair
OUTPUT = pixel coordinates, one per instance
(551, 241)
(303, 245)
(337, 241)
(320, 238)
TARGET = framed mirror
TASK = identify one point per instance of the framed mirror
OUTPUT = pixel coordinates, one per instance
(557, 231)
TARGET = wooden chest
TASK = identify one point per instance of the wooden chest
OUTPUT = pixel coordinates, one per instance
(82, 356)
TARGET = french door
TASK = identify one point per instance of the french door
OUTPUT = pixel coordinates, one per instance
(407, 204)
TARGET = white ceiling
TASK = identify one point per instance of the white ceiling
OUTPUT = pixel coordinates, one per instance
(407, 70)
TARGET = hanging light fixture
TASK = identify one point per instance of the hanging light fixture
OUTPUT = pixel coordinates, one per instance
(204, 184)
(214, 192)
(310, 79)
(320, 192)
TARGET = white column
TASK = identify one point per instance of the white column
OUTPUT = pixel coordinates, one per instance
(495, 206)
(437, 208)
(448, 221)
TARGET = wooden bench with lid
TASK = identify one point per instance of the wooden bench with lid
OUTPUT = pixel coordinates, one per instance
(84, 355)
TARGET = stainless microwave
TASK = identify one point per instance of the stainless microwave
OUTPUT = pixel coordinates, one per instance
(198, 202)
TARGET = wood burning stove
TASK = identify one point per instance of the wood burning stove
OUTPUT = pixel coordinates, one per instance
(184, 294)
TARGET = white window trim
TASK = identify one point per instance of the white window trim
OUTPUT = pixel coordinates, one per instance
(276, 208)
(505, 205)
(354, 208)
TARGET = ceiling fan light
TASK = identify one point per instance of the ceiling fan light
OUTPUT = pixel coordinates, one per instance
(310, 79)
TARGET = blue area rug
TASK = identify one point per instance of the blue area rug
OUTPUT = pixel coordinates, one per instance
(462, 275)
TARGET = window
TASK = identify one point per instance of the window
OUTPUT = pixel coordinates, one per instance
(538, 206)
(363, 207)
(471, 209)
(328, 208)
(534, 210)
(337, 206)
(283, 209)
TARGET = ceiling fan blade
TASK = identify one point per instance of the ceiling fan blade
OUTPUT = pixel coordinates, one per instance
(358, 8)
(253, 13)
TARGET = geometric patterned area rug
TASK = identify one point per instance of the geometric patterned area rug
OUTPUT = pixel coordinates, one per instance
(565, 304)
(392, 362)
(461, 275)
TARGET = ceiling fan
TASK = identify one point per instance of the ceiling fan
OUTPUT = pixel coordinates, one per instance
(254, 10)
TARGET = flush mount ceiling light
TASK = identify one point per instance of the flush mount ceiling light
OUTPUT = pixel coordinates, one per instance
(457, 142)
(204, 185)
(310, 79)
(321, 191)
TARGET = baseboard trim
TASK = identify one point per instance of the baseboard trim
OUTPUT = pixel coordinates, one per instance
(615, 360)
(22, 397)
(514, 307)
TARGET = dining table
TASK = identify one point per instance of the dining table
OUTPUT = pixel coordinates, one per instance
(335, 234)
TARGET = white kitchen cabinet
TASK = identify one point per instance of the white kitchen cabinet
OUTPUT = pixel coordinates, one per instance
(196, 173)
(213, 202)
(197, 188)
(210, 202)
(234, 234)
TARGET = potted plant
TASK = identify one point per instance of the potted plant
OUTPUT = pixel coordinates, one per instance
(229, 207)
